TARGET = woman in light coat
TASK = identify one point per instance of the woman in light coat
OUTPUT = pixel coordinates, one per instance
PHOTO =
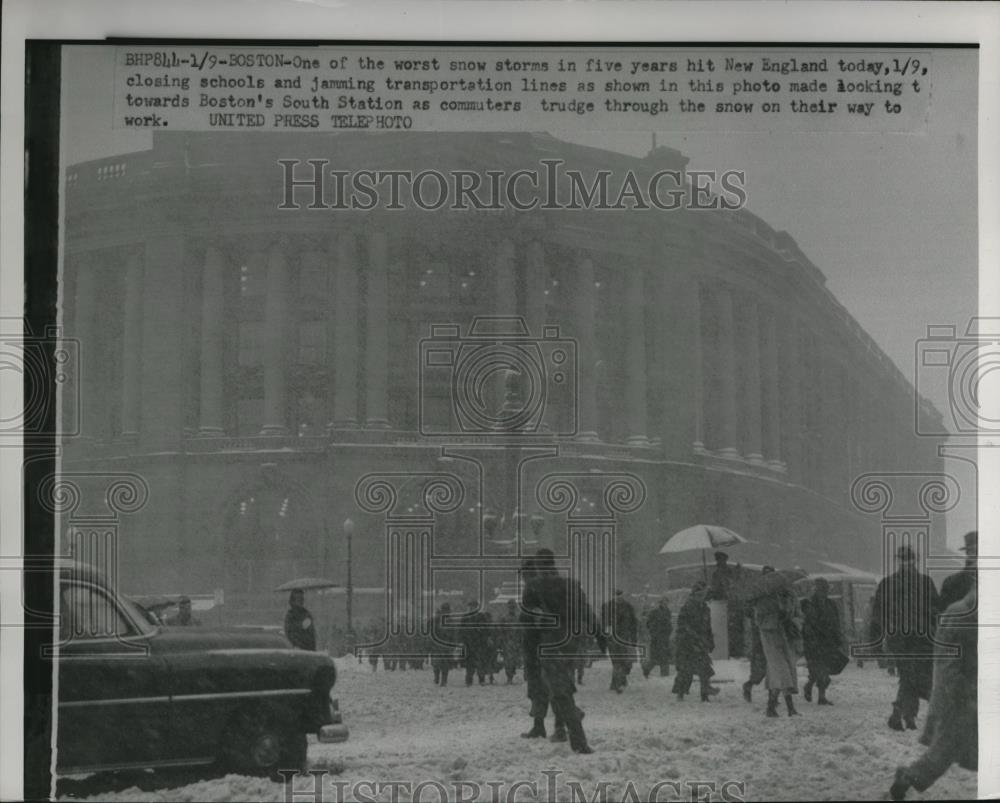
(779, 620)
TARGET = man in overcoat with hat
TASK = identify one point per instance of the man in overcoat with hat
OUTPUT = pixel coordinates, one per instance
(956, 586)
(904, 611)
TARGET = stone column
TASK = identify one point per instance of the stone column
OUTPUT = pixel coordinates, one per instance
(585, 316)
(535, 283)
(275, 325)
(505, 280)
(345, 338)
(753, 389)
(88, 381)
(132, 346)
(791, 411)
(212, 328)
(504, 302)
(377, 344)
(163, 389)
(635, 389)
(727, 371)
(772, 395)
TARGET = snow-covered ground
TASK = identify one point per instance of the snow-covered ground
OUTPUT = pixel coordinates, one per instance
(406, 729)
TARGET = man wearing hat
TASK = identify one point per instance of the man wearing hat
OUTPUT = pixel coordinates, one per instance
(694, 644)
(183, 617)
(442, 645)
(562, 600)
(621, 628)
(956, 586)
(904, 610)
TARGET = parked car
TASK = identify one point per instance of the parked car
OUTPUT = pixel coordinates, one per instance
(133, 694)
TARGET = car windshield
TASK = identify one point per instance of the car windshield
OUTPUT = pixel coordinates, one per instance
(138, 616)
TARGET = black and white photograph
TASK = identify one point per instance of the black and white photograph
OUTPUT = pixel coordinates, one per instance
(451, 417)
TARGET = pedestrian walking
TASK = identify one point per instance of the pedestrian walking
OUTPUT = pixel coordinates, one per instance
(780, 622)
(299, 626)
(538, 694)
(659, 626)
(823, 641)
(694, 644)
(473, 636)
(957, 586)
(441, 645)
(951, 733)
(758, 662)
(621, 628)
(904, 608)
(510, 640)
(561, 598)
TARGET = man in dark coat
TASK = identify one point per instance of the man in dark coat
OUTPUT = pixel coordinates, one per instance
(956, 586)
(531, 632)
(694, 644)
(510, 641)
(823, 639)
(473, 636)
(183, 618)
(758, 662)
(299, 626)
(904, 610)
(621, 628)
(952, 730)
(562, 600)
(441, 648)
(660, 626)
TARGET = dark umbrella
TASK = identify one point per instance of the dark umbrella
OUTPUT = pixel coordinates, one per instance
(307, 584)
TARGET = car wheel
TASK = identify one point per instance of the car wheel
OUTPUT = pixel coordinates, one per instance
(257, 742)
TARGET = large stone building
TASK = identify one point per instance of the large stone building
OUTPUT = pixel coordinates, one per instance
(253, 363)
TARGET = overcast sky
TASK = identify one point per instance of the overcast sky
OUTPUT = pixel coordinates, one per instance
(890, 219)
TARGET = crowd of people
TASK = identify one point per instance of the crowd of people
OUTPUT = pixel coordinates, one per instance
(551, 635)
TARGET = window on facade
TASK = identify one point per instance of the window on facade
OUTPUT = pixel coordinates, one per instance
(250, 335)
(249, 416)
(312, 343)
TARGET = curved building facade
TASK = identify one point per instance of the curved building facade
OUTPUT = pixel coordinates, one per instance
(253, 363)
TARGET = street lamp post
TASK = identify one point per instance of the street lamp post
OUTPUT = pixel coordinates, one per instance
(349, 533)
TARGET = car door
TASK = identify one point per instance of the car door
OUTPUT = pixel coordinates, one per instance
(113, 703)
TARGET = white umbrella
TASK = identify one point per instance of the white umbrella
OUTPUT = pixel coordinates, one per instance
(703, 537)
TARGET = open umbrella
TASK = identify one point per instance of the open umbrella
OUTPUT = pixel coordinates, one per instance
(307, 584)
(703, 537)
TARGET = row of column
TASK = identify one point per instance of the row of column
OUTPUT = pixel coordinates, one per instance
(346, 306)
(760, 397)
(771, 398)
(584, 310)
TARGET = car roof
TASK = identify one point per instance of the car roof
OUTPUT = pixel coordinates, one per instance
(70, 569)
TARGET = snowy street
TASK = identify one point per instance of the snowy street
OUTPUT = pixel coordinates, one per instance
(405, 729)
